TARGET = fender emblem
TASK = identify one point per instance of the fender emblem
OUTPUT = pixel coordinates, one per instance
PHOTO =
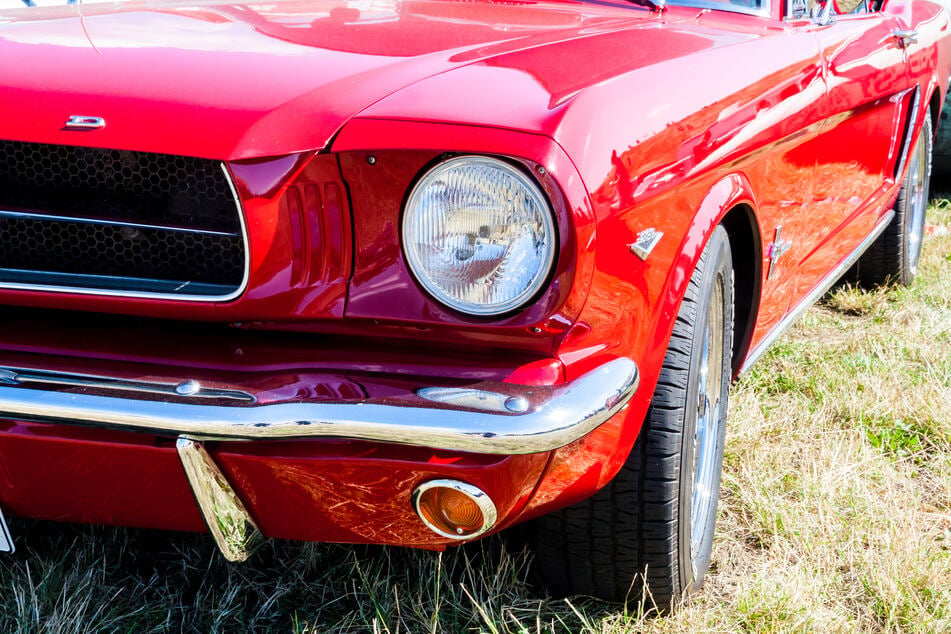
(777, 249)
(645, 241)
(81, 122)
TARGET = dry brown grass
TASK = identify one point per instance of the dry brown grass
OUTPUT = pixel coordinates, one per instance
(837, 488)
(836, 516)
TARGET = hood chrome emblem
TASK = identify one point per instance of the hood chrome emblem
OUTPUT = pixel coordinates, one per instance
(645, 242)
(81, 122)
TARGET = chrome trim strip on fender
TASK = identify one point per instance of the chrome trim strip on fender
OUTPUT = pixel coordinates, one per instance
(228, 521)
(555, 416)
(910, 122)
(17, 286)
(820, 289)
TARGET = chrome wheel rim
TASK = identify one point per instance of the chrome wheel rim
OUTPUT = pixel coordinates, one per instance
(706, 438)
(918, 190)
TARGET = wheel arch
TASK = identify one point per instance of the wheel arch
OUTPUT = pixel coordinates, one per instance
(934, 105)
(729, 202)
(746, 246)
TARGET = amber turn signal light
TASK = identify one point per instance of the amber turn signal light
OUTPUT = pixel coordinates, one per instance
(454, 509)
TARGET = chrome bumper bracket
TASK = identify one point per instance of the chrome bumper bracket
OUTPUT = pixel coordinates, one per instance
(6, 542)
(228, 520)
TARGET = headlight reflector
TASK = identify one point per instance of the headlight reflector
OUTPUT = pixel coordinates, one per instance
(479, 235)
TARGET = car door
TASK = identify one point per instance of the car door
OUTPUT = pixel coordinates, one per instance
(865, 109)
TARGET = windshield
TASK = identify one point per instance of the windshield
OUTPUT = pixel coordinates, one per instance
(753, 7)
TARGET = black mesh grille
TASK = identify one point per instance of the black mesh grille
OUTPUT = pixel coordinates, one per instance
(117, 220)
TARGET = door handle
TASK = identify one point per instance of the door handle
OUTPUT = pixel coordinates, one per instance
(906, 37)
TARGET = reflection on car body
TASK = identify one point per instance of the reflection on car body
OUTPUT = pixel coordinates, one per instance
(412, 272)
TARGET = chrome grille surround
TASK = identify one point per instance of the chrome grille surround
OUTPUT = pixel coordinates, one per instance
(100, 222)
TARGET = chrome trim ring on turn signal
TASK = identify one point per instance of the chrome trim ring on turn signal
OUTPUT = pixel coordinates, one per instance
(489, 514)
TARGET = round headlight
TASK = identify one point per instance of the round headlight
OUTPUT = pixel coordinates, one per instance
(479, 235)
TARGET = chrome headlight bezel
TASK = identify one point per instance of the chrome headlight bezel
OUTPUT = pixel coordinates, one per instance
(533, 192)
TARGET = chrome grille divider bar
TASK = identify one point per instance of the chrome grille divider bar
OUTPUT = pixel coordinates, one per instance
(29, 215)
(95, 284)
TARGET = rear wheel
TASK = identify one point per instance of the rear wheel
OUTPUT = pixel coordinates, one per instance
(654, 521)
(893, 257)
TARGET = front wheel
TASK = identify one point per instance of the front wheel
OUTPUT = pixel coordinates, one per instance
(654, 521)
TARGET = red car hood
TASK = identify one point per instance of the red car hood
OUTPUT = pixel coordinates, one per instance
(239, 80)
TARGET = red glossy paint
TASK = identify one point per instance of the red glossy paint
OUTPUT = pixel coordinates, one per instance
(235, 81)
(360, 493)
(320, 491)
(221, 355)
(628, 119)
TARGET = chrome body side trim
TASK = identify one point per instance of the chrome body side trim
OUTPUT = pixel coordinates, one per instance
(46, 288)
(817, 291)
(228, 521)
(911, 120)
(555, 416)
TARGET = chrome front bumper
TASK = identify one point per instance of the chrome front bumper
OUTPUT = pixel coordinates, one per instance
(498, 419)
(492, 418)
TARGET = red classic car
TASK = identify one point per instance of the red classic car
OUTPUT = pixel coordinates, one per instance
(414, 271)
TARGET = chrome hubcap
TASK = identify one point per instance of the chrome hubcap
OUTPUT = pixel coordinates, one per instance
(706, 436)
(918, 201)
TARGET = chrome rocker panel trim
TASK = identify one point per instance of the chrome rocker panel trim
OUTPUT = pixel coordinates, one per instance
(820, 289)
(554, 416)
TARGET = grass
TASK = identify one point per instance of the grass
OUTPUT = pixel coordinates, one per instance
(835, 516)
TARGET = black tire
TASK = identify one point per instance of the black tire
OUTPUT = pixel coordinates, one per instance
(893, 257)
(639, 526)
